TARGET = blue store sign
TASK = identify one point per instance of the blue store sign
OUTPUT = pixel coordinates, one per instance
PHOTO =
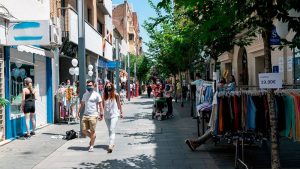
(276, 69)
(102, 63)
(274, 39)
(112, 65)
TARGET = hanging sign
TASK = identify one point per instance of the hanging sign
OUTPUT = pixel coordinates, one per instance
(28, 33)
(111, 64)
(270, 80)
(276, 69)
(274, 39)
(215, 75)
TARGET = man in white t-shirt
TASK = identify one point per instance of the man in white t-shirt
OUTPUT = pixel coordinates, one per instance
(91, 101)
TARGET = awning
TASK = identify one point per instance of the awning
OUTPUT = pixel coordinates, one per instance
(34, 50)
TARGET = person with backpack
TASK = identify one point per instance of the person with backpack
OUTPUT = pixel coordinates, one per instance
(92, 102)
(28, 106)
(112, 112)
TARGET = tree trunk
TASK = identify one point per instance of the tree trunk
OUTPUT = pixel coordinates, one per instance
(175, 88)
(275, 160)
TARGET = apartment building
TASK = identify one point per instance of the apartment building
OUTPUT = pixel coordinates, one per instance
(126, 21)
(98, 35)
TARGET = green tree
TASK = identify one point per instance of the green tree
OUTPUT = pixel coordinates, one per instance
(143, 66)
(247, 17)
(172, 47)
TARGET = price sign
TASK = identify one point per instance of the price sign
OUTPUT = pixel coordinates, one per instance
(215, 75)
(270, 80)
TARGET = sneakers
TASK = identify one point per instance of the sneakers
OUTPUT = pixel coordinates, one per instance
(110, 148)
(192, 145)
(32, 133)
(170, 116)
(91, 149)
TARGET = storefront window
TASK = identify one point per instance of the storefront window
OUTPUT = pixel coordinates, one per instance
(19, 71)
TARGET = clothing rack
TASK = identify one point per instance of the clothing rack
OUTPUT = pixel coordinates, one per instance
(243, 135)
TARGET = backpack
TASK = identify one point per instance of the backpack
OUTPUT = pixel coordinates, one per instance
(71, 134)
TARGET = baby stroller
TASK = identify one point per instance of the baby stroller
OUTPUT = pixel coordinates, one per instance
(159, 106)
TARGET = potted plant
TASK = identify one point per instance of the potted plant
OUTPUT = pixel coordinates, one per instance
(3, 102)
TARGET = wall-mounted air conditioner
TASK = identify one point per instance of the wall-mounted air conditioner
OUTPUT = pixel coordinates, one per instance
(55, 35)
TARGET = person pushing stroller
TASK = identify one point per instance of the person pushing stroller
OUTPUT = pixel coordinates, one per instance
(159, 101)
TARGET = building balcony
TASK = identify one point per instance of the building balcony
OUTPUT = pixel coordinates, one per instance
(108, 51)
(93, 39)
(105, 6)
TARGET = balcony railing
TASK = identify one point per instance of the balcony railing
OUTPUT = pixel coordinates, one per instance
(93, 39)
(105, 6)
(108, 54)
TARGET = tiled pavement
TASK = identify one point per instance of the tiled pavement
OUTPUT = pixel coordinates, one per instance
(140, 143)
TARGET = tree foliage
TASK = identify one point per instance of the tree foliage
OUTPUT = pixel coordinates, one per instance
(143, 66)
(220, 24)
(171, 47)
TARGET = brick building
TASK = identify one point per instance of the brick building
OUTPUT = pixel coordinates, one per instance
(126, 21)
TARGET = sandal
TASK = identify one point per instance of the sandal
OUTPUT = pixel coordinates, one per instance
(191, 145)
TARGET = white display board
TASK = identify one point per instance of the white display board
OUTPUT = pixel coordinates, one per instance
(270, 80)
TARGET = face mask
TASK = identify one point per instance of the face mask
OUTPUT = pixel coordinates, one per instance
(109, 89)
(89, 88)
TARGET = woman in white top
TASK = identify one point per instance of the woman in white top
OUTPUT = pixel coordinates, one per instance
(112, 112)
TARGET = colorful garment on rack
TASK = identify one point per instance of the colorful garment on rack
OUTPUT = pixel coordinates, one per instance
(251, 114)
(242, 112)
(290, 117)
(204, 107)
(69, 93)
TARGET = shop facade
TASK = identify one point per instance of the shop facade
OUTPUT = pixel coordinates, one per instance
(36, 63)
(2, 80)
(245, 63)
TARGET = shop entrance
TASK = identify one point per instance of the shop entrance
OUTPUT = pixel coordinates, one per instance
(259, 67)
(243, 67)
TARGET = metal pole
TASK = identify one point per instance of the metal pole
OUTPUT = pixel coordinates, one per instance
(81, 53)
(117, 65)
(128, 69)
(135, 79)
(294, 70)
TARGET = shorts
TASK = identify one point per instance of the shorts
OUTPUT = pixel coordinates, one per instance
(29, 107)
(89, 123)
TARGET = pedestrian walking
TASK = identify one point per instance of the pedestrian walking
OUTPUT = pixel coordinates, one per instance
(28, 105)
(168, 93)
(91, 101)
(149, 89)
(112, 112)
